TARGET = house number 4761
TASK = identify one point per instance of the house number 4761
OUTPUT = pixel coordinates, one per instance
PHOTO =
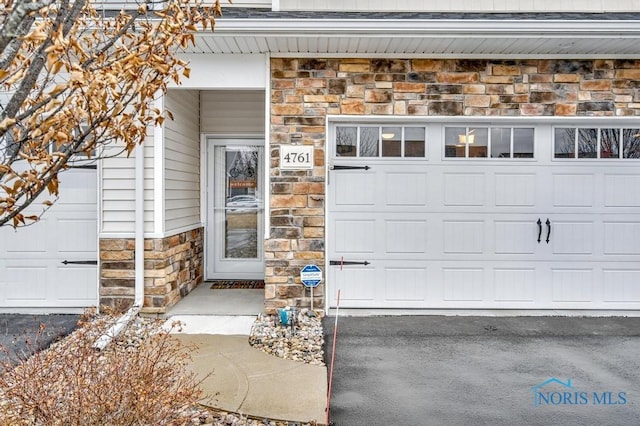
(296, 157)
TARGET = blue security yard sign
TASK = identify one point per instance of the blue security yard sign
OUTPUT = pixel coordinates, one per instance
(311, 275)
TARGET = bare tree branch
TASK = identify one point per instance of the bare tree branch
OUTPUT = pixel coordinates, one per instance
(77, 82)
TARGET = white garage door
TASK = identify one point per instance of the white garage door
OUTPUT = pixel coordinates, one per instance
(51, 265)
(465, 225)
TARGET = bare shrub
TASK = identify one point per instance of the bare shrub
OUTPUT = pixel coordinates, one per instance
(140, 379)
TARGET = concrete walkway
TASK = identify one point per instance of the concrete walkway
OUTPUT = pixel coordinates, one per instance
(248, 381)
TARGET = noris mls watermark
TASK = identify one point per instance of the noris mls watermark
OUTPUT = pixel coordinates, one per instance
(555, 392)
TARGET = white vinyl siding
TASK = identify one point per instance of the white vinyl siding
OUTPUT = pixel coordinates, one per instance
(182, 160)
(463, 5)
(232, 112)
(118, 190)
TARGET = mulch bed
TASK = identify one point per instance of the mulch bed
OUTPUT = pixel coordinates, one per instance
(236, 284)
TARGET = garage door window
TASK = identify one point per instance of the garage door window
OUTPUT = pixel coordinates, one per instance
(488, 142)
(380, 141)
(596, 143)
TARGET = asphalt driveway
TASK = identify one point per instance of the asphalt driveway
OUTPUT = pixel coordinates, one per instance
(20, 335)
(430, 370)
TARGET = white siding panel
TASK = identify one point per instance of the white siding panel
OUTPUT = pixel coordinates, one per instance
(182, 160)
(118, 190)
(232, 112)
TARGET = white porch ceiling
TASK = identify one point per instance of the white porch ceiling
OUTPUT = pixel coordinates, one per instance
(436, 38)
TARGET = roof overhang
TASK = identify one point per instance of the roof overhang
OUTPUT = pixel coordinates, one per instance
(468, 38)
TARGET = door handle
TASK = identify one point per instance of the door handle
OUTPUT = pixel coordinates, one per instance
(539, 222)
(548, 223)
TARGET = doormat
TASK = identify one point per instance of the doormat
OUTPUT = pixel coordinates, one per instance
(236, 284)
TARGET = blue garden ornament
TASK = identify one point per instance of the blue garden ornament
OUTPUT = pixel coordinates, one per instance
(284, 316)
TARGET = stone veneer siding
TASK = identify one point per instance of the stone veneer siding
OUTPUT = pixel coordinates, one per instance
(172, 268)
(304, 91)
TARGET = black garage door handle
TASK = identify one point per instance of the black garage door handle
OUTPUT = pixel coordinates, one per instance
(539, 222)
(548, 222)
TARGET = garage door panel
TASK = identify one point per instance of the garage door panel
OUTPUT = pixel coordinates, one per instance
(621, 190)
(405, 284)
(621, 285)
(515, 189)
(32, 240)
(85, 227)
(354, 189)
(463, 237)
(513, 237)
(357, 285)
(572, 237)
(381, 236)
(356, 236)
(78, 187)
(463, 284)
(572, 284)
(514, 284)
(622, 238)
(406, 236)
(573, 190)
(464, 189)
(72, 283)
(26, 284)
(406, 189)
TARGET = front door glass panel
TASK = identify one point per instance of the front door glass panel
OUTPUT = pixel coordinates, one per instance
(235, 210)
(242, 203)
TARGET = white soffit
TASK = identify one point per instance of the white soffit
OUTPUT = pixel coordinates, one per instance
(406, 37)
(220, 71)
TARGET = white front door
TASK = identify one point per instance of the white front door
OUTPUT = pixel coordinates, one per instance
(235, 209)
(52, 264)
(525, 232)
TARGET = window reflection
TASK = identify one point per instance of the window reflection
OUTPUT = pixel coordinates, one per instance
(484, 142)
(369, 141)
(391, 142)
(242, 205)
(500, 143)
(631, 143)
(604, 143)
(453, 147)
(414, 141)
(587, 143)
(564, 142)
(478, 141)
(377, 141)
(609, 143)
(523, 143)
(346, 141)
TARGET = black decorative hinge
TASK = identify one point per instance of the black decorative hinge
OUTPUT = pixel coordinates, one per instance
(347, 262)
(350, 167)
(86, 166)
(79, 262)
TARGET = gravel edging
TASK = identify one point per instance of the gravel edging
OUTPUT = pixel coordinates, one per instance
(304, 342)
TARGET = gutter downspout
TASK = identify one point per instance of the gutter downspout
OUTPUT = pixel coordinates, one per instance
(124, 320)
